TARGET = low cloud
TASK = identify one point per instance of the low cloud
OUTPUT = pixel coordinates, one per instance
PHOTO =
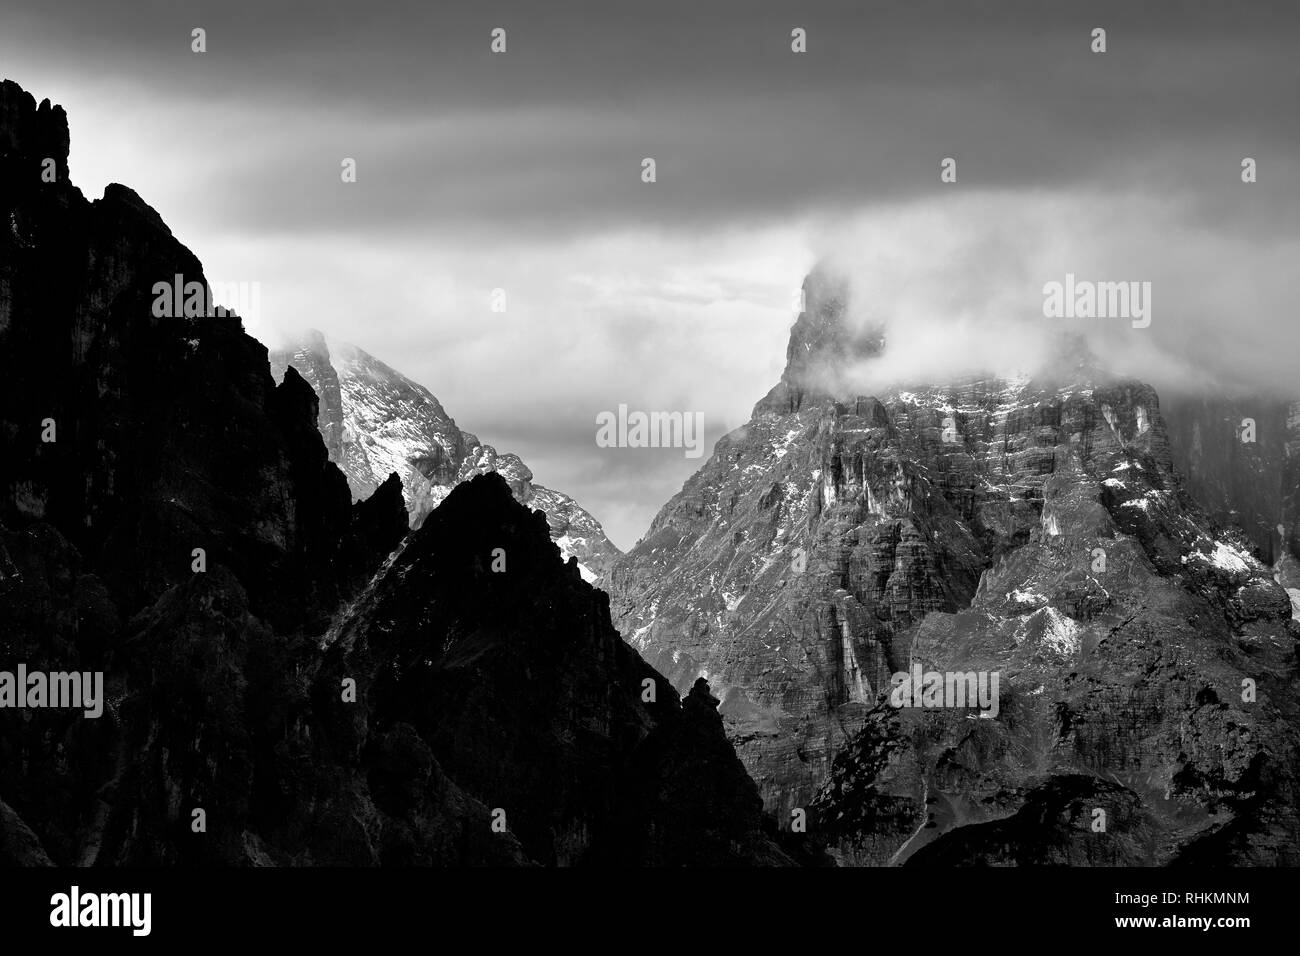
(958, 285)
(522, 171)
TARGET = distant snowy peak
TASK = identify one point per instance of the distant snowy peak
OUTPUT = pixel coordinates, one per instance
(376, 421)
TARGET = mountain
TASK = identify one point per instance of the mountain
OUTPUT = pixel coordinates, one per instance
(286, 676)
(376, 421)
(119, 423)
(1031, 528)
(169, 519)
(509, 679)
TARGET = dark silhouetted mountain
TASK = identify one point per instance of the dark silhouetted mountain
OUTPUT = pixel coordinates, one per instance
(230, 734)
(514, 683)
(169, 433)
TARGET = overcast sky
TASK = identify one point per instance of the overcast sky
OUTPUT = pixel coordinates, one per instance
(522, 171)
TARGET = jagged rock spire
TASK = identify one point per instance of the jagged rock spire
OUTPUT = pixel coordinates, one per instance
(824, 340)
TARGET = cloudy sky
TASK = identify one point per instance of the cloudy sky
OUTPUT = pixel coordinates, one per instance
(522, 171)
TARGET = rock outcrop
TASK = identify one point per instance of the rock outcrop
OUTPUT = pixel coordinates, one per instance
(1241, 460)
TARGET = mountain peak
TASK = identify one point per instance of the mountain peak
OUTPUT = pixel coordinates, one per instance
(1027, 525)
(376, 421)
(499, 625)
(830, 341)
(30, 133)
(824, 342)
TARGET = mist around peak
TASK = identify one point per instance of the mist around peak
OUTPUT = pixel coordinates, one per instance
(958, 288)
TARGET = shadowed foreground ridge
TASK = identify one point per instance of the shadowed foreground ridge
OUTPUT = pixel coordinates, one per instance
(513, 684)
(224, 672)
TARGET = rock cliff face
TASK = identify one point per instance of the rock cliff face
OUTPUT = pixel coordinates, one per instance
(311, 685)
(1032, 528)
(1241, 459)
(376, 421)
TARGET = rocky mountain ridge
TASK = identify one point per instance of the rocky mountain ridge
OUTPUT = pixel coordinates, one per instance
(1030, 527)
(501, 670)
(376, 421)
(289, 677)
